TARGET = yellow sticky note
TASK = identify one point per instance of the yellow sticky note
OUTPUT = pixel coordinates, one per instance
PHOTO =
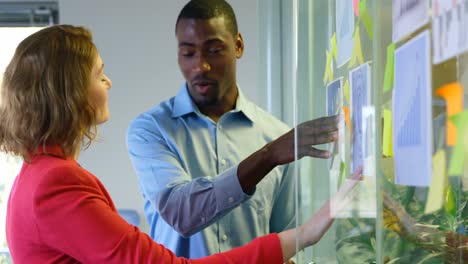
(389, 68)
(453, 95)
(439, 180)
(387, 138)
(346, 92)
(365, 17)
(327, 65)
(328, 73)
(356, 56)
(460, 121)
(330, 69)
(333, 46)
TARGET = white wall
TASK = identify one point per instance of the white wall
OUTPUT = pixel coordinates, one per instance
(137, 43)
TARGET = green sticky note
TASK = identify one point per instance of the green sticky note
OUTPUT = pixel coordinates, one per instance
(365, 17)
(387, 139)
(342, 172)
(460, 121)
(435, 197)
(389, 68)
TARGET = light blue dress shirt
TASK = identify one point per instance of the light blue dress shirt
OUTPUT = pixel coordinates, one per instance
(187, 171)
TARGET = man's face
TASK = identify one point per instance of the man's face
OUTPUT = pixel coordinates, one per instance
(207, 55)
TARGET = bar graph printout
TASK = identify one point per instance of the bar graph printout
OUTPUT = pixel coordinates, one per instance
(334, 107)
(360, 97)
(449, 24)
(334, 97)
(412, 113)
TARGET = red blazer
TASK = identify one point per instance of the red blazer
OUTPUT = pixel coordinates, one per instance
(60, 213)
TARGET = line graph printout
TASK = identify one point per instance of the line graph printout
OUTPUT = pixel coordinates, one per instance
(360, 97)
(412, 113)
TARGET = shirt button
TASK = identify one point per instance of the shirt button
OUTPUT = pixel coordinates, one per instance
(231, 199)
(203, 219)
(224, 237)
(223, 162)
(220, 127)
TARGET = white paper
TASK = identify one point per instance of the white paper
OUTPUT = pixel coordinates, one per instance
(360, 83)
(344, 30)
(412, 113)
(408, 16)
(449, 24)
(368, 141)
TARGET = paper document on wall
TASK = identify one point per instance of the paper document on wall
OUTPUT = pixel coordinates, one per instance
(408, 16)
(344, 31)
(360, 81)
(368, 141)
(449, 24)
(412, 113)
(334, 106)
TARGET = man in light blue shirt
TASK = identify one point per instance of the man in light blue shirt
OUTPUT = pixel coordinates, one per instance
(212, 166)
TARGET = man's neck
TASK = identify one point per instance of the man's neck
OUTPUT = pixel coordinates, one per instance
(227, 104)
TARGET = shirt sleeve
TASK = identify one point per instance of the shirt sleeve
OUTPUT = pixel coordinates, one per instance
(75, 217)
(265, 249)
(186, 202)
(283, 212)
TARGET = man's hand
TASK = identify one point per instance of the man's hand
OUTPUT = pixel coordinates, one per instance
(310, 133)
(281, 151)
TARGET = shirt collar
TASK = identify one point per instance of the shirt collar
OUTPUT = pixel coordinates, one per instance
(183, 104)
(245, 106)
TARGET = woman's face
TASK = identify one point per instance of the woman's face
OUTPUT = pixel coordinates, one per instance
(98, 92)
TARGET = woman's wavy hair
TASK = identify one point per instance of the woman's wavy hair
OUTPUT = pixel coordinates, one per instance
(44, 92)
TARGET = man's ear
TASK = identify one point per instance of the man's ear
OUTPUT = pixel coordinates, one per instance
(239, 46)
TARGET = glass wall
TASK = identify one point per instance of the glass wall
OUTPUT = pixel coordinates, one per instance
(18, 19)
(396, 72)
(9, 165)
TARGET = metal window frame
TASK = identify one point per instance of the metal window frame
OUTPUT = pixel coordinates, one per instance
(28, 13)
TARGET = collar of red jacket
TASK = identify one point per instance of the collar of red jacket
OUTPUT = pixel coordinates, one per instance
(52, 150)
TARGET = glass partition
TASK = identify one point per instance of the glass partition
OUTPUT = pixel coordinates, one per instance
(396, 72)
(9, 165)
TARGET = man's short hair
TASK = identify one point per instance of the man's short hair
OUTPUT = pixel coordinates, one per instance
(207, 9)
